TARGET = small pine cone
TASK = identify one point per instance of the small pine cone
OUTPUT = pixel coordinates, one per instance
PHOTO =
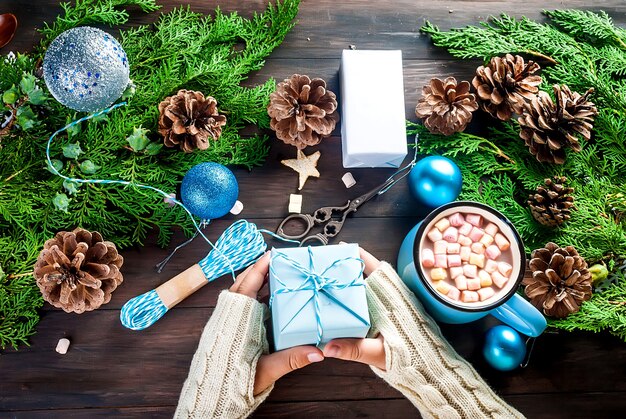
(446, 107)
(552, 204)
(560, 280)
(77, 271)
(190, 121)
(302, 111)
(505, 85)
(548, 128)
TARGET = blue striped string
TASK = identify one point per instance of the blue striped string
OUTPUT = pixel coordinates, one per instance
(318, 283)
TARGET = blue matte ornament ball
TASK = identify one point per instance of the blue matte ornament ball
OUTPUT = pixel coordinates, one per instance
(209, 190)
(504, 348)
(435, 181)
(86, 69)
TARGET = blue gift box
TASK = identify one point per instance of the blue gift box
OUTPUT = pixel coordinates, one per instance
(317, 294)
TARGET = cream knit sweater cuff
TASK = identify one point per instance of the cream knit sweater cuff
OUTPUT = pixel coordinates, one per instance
(221, 378)
(419, 361)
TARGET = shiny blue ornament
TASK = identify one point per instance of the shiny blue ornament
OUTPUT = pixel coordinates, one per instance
(435, 181)
(504, 348)
(86, 69)
(209, 190)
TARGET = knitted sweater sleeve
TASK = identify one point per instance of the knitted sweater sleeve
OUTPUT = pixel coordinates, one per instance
(420, 363)
(221, 378)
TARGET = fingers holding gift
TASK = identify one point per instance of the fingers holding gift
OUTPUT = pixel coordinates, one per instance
(274, 366)
(370, 261)
(250, 281)
(366, 351)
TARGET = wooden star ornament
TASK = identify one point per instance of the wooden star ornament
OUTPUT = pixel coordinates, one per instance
(304, 165)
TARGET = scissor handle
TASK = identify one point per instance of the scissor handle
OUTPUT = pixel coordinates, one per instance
(304, 219)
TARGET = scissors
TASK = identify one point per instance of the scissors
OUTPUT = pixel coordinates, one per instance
(333, 218)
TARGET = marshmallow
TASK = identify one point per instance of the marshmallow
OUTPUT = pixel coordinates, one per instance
(442, 224)
(465, 253)
(474, 219)
(454, 293)
(505, 269)
(478, 248)
(440, 247)
(428, 258)
(499, 279)
(238, 207)
(434, 235)
(485, 278)
(473, 284)
(454, 248)
(486, 240)
(348, 180)
(438, 274)
(454, 261)
(485, 293)
(464, 240)
(476, 259)
(461, 282)
(469, 296)
(493, 252)
(456, 219)
(451, 234)
(441, 261)
(502, 243)
(491, 266)
(476, 234)
(470, 271)
(456, 271)
(62, 346)
(465, 229)
(442, 286)
(491, 229)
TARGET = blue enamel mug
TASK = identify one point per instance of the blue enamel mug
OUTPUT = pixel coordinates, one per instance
(507, 306)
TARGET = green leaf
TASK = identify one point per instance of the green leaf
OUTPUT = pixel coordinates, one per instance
(57, 164)
(2, 275)
(88, 167)
(153, 149)
(28, 84)
(71, 186)
(26, 118)
(129, 91)
(37, 97)
(61, 202)
(74, 129)
(10, 96)
(138, 140)
(100, 118)
(72, 150)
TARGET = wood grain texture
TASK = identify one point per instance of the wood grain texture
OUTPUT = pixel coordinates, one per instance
(114, 372)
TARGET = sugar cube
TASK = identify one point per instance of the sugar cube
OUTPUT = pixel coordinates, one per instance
(434, 235)
(485, 293)
(442, 224)
(428, 258)
(438, 274)
(469, 296)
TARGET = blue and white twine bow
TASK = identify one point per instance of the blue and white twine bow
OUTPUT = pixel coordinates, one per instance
(318, 283)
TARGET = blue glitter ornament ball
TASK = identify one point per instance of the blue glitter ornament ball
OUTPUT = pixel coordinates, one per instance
(504, 348)
(209, 190)
(435, 181)
(86, 69)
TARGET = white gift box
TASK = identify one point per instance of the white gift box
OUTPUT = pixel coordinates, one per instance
(373, 130)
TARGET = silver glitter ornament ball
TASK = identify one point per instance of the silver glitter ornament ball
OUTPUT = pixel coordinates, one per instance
(86, 69)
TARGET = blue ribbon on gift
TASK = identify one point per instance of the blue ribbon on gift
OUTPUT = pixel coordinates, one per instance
(319, 283)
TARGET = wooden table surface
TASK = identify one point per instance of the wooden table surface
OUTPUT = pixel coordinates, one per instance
(112, 371)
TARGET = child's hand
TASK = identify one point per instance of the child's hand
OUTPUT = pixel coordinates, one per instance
(273, 366)
(366, 351)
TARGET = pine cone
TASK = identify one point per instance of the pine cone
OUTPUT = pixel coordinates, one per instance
(560, 280)
(302, 111)
(190, 120)
(552, 204)
(548, 128)
(446, 106)
(77, 271)
(505, 84)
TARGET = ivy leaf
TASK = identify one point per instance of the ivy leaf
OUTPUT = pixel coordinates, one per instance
(100, 118)
(88, 167)
(26, 118)
(61, 202)
(10, 96)
(57, 164)
(74, 129)
(71, 186)
(153, 149)
(37, 97)
(138, 140)
(72, 150)
(28, 84)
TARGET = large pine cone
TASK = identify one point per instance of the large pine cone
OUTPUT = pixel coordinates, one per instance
(505, 84)
(302, 111)
(446, 107)
(190, 121)
(77, 271)
(560, 280)
(552, 204)
(548, 128)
